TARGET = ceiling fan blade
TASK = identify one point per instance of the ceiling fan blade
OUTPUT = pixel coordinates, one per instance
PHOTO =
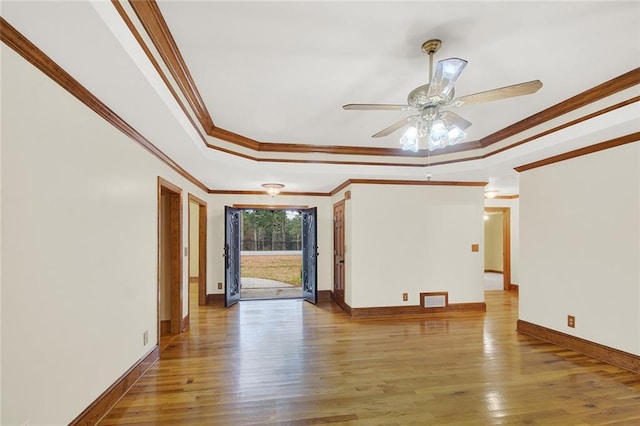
(447, 73)
(451, 118)
(378, 107)
(395, 126)
(504, 92)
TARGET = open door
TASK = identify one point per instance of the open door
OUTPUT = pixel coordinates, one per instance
(231, 256)
(309, 255)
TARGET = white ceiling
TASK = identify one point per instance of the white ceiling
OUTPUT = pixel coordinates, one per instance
(280, 72)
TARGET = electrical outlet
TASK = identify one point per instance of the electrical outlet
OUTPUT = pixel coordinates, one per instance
(145, 337)
(219, 286)
(405, 297)
(571, 321)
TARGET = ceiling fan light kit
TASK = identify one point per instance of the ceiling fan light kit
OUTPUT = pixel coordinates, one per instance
(433, 127)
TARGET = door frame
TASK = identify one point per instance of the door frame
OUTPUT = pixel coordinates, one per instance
(338, 297)
(272, 207)
(175, 253)
(506, 244)
(202, 248)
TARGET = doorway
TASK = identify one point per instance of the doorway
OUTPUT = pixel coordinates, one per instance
(170, 321)
(198, 248)
(497, 246)
(270, 253)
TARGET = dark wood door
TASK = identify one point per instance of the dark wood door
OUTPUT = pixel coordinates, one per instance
(310, 255)
(338, 252)
(231, 256)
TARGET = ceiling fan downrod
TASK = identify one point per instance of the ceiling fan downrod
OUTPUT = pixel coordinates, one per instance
(430, 47)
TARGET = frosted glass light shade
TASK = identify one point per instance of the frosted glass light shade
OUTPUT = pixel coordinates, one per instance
(409, 139)
(447, 72)
(455, 135)
(273, 189)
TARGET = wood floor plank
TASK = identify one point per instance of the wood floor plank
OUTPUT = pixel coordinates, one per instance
(288, 362)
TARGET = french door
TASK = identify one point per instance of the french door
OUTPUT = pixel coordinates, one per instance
(231, 256)
(310, 255)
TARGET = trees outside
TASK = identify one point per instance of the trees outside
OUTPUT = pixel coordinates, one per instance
(271, 230)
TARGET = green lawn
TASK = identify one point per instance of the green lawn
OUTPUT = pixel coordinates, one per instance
(287, 269)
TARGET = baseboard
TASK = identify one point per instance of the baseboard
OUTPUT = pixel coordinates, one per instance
(415, 310)
(600, 352)
(184, 324)
(215, 299)
(346, 308)
(494, 271)
(514, 287)
(324, 295)
(105, 402)
(165, 327)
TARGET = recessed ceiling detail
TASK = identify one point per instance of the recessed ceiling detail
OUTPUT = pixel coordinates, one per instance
(154, 23)
(235, 94)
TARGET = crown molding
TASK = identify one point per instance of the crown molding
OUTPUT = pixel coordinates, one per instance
(611, 143)
(270, 206)
(30, 52)
(284, 193)
(348, 182)
(154, 23)
(580, 100)
(21, 45)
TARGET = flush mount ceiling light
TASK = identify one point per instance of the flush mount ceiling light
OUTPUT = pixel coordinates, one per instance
(491, 193)
(273, 189)
(432, 127)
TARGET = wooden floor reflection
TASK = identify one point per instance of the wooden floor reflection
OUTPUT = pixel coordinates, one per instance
(289, 362)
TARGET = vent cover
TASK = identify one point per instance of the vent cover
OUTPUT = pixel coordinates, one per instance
(438, 301)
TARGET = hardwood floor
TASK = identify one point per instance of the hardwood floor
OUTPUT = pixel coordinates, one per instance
(289, 362)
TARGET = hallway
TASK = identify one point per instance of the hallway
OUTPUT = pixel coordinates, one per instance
(289, 362)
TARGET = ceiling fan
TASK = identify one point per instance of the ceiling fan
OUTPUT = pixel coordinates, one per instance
(433, 124)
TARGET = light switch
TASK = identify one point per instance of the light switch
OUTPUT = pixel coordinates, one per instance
(475, 247)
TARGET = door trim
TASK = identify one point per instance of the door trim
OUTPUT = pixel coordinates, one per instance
(506, 244)
(175, 248)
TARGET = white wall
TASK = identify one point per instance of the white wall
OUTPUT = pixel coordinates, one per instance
(215, 232)
(1, 363)
(514, 209)
(194, 240)
(580, 247)
(79, 249)
(412, 239)
(493, 242)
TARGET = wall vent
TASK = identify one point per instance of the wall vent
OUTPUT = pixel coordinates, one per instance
(434, 299)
